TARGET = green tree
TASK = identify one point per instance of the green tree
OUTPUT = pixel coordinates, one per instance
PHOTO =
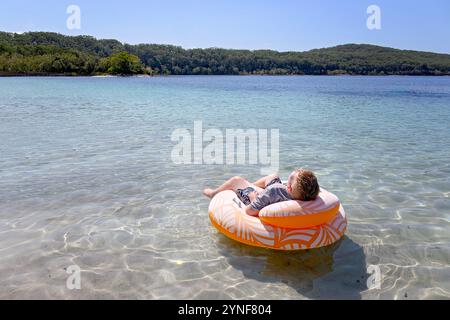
(123, 63)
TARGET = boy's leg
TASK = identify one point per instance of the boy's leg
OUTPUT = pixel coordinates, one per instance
(263, 182)
(233, 184)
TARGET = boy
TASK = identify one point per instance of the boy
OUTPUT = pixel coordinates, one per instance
(302, 185)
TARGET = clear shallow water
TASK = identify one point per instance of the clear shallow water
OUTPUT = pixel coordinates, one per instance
(87, 179)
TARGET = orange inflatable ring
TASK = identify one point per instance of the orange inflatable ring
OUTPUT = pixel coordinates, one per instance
(290, 225)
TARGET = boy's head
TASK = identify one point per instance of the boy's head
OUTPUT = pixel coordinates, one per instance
(303, 185)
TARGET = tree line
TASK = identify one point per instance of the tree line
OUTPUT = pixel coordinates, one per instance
(41, 53)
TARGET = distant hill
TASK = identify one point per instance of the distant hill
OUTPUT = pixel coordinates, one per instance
(44, 53)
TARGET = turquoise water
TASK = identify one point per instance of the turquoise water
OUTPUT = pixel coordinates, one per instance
(87, 179)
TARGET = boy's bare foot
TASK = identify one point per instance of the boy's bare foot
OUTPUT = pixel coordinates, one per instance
(208, 192)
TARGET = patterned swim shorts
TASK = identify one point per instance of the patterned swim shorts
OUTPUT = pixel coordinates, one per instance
(243, 193)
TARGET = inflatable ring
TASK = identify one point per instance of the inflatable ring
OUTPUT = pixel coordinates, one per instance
(290, 225)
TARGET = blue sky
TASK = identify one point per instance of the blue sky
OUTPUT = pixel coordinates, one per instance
(251, 24)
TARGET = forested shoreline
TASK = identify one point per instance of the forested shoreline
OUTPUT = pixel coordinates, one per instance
(44, 53)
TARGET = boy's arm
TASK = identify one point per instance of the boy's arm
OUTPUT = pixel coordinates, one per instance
(262, 183)
(251, 212)
(249, 209)
(258, 202)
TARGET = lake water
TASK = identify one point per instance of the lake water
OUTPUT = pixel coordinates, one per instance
(87, 179)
